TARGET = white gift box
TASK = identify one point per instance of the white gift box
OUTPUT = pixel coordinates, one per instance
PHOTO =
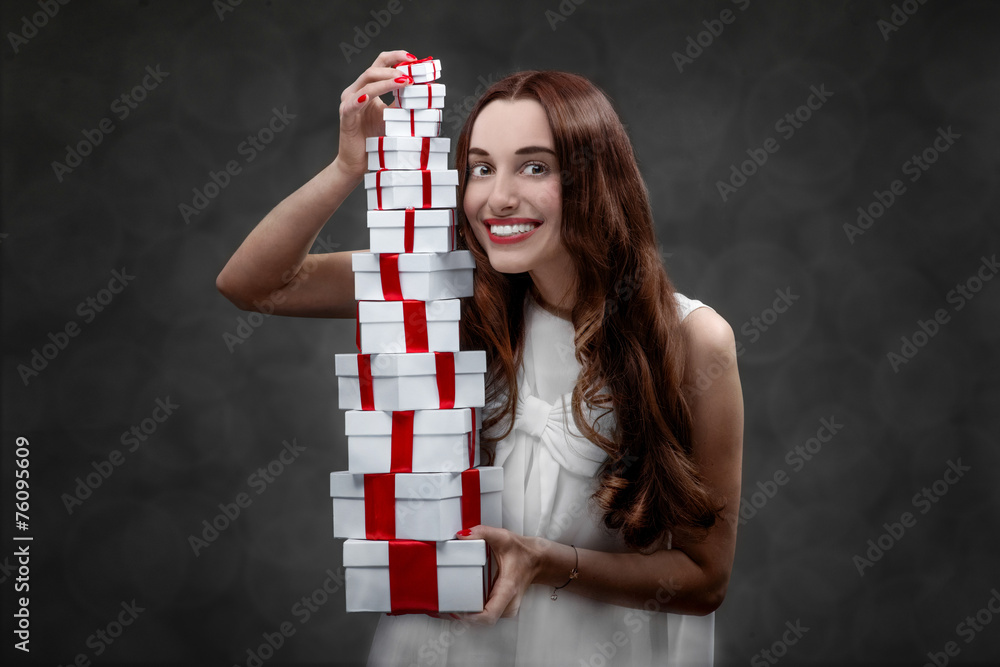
(420, 381)
(415, 506)
(412, 441)
(422, 71)
(412, 230)
(408, 326)
(418, 188)
(412, 122)
(410, 153)
(450, 576)
(420, 96)
(422, 276)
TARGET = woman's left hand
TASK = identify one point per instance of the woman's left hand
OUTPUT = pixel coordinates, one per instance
(518, 560)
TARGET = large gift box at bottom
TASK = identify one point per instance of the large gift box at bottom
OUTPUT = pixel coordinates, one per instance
(404, 576)
(415, 506)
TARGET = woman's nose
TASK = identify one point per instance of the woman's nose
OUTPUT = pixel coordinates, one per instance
(503, 196)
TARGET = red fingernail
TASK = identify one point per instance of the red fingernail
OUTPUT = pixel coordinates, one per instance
(402, 79)
(465, 532)
(411, 56)
(362, 99)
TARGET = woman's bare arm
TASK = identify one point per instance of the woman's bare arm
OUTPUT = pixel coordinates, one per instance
(272, 270)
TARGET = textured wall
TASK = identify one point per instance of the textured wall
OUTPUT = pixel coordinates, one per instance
(884, 428)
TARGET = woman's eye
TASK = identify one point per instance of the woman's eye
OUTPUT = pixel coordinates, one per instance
(535, 169)
(479, 170)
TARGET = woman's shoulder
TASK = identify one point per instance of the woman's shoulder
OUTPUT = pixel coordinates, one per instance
(707, 332)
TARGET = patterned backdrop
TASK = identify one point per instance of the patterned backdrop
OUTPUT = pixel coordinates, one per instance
(823, 173)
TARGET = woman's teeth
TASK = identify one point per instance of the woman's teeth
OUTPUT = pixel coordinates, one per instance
(510, 230)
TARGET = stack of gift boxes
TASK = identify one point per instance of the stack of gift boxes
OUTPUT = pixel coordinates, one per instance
(413, 399)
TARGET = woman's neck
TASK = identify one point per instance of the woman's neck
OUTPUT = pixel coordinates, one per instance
(555, 287)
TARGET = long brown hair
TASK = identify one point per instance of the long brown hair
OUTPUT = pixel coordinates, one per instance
(628, 337)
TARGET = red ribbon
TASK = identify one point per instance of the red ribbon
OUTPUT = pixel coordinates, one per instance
(427, 188)
(365, 379)
(472, 499)
(409, 222)
(381, 154)
(413, 584)
(444, 366)
(425, 152)
(430, 99)
(472, 440)
(380, 506)
(401, 448)
(357, 326)
(388, 268)
(378, 188)
(415, 325)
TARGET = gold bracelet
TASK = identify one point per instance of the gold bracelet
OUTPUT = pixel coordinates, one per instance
(574, 573)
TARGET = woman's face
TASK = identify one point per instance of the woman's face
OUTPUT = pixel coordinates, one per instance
(513, 195)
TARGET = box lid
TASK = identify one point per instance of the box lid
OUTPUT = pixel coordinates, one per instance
(417, 485)
(422, 217)
(406, 115)
(376, 422)
(394, 364)
(375, 553)
(392, 311)
(416, 261)
(415, 144)
(388, 178)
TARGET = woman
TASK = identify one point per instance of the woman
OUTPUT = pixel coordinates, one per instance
(613, 405)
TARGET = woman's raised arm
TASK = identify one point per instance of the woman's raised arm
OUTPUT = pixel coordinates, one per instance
(272, 269)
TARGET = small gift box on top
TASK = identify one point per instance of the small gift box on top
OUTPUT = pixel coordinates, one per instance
(409, 153)
(413, 440)
(424, 70)
(422, 276)
(412, 230)
(414, 506)
(418, 188)
(415, 381)
(404, 576)
(408, 326)
(411, 122)
(420, 96)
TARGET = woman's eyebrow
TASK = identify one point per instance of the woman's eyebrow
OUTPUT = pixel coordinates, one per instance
(519, 151)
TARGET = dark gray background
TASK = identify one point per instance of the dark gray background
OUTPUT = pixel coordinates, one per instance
(826, 357)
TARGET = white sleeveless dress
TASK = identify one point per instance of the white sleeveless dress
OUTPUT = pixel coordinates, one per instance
(549, 478)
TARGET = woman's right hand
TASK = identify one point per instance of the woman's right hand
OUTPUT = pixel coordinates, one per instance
(361, 109)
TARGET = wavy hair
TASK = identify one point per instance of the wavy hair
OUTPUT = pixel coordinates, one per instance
(628, 337)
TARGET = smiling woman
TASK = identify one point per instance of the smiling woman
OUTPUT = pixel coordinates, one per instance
(621, 477)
